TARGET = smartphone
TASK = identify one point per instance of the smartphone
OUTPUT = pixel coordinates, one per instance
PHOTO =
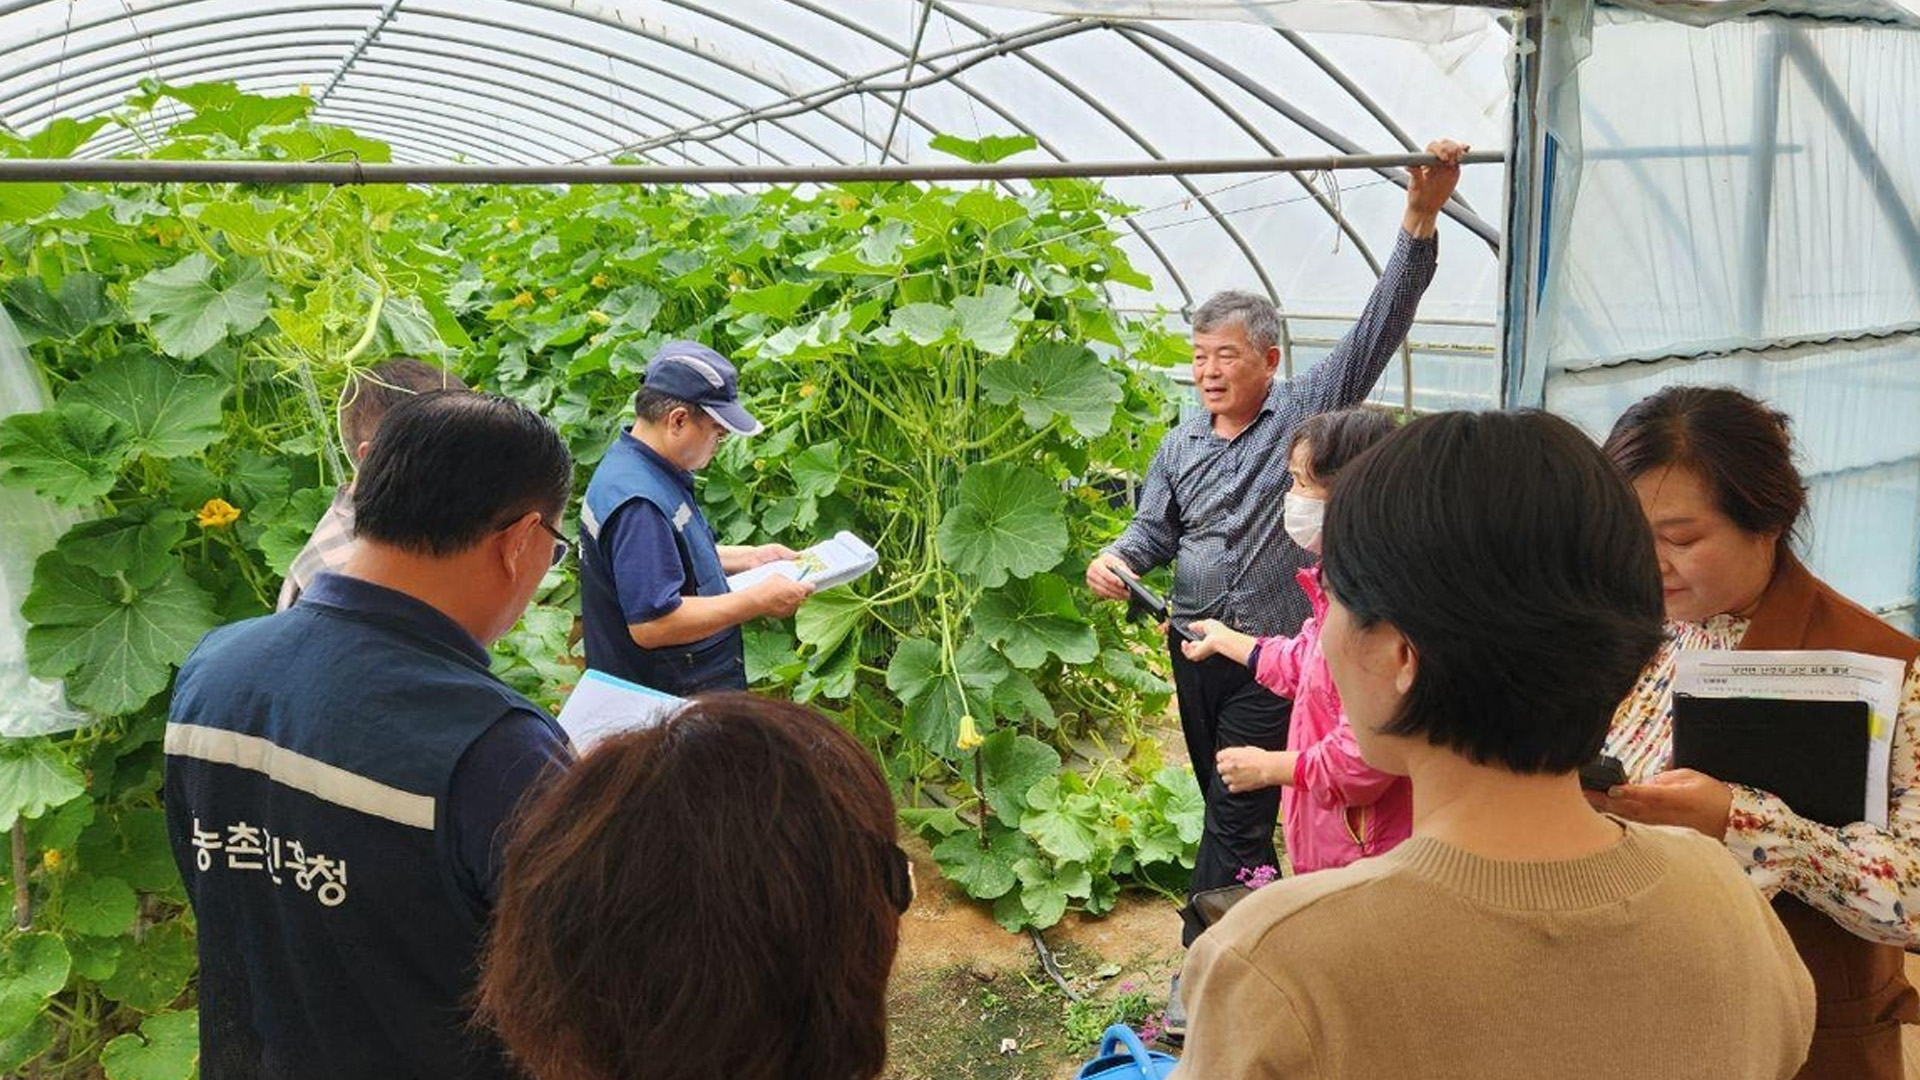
(1152, 602)
(1602, 773)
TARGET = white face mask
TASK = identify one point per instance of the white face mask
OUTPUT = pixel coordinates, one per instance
(1303, 517)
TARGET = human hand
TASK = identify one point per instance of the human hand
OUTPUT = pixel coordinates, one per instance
(1101, 579)
(1217, 639)
(1243, 768)
(778, 597)
(1676, 797)
(766, 553)
(1430, 186)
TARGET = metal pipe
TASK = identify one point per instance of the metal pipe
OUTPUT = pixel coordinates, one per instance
(29, 170)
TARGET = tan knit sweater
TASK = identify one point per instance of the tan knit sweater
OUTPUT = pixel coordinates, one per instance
(1654, 958)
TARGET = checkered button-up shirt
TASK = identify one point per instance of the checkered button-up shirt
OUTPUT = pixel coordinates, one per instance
(326, 550)
(1212, 506)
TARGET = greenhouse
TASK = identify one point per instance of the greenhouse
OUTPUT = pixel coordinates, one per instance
(944, 280)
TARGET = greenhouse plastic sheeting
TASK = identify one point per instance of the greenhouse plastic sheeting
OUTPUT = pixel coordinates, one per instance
(1745, 214)
(28, 706)
(713, 82)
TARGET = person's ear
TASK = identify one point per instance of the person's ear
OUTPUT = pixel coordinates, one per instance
(1406, 664)
(510, 544)
(1273, 359)
(360, 452)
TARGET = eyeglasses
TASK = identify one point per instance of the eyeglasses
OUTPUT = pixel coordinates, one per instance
(561, 545)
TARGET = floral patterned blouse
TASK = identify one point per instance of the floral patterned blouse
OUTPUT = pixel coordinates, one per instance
(1862, 876)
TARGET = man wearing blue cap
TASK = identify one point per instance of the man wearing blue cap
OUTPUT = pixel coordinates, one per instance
(653, 581)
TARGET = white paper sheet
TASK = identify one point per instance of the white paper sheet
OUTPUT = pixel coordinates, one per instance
(836, 560)
(602, 705)
(1807, 675)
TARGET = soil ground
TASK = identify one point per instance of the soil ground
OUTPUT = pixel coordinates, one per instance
(962, 986)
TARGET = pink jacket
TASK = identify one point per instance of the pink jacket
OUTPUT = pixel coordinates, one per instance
(1339, 808)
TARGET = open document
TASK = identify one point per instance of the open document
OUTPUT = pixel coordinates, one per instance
(834, 561)
(1804, 676)
(602, 705)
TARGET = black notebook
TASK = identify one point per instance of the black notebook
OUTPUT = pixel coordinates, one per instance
(1812, 754)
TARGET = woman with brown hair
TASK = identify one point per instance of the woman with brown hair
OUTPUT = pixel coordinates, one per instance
(719, 895)
(1714, 472)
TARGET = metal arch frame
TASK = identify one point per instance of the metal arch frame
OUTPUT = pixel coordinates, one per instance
(38, 102)
(135, 36)
(110, 144)
(367, 38)
(993, 106)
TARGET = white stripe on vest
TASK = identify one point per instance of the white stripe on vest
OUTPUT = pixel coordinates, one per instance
(329, 783)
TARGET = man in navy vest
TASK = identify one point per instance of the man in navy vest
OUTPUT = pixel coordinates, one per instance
(339, 775)
(653, 579)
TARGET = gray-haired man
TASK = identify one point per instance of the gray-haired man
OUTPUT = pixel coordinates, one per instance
(1211, 505)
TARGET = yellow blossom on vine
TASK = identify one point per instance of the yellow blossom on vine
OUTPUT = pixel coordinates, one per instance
(550, 292)
(513, 224)
(218, 514)
(599, 281)
(51, 860)
(806, 390)
(433, 215)
(524, 299)
(969, 735)
(598, 317)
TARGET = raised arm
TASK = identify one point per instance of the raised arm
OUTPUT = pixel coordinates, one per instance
(1348, 373)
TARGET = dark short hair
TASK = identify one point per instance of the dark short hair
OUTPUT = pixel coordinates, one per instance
(713, 896)
(1515, 560)
(373, 392)
(1741, 449)
(1335, 438)
(653, 406)
(450, 466)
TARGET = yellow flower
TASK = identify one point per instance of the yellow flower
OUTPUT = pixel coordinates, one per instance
(969, 735)
(513, 224)
(524, 299)
(218, 514)
(550, 292)
(599, 281)
(598, 317)
(806, 390)
(433, 215)
(306, 90)
(736, 279)
(51, 860)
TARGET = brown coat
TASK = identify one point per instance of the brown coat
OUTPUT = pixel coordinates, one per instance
(1861, 986)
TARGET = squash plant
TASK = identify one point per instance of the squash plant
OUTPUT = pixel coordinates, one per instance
(939, 371)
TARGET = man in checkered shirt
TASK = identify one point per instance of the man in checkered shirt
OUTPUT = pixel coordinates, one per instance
(1211, 506)
(364, 403)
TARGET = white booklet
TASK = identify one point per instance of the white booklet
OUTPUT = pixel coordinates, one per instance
(834, 561)
(1807, 675)
(603, 705)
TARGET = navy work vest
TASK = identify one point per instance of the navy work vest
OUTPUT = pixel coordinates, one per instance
(630, 473)
(309, 756)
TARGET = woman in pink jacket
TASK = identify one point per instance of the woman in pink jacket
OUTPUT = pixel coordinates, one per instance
(1336, 808)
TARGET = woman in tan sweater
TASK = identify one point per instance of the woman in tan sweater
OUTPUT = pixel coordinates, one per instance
(1494, 594)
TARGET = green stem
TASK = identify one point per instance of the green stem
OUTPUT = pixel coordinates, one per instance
(372, 327)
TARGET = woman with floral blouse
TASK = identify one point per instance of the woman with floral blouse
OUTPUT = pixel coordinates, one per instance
(1714, 472)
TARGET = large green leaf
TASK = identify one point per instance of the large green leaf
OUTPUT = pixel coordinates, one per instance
(933, 692)
(97, 906)
(991, 321)
(193, 306)
(25, 1045)
(1062, 818)
(1013, 764)
(138, 542)
(984, 150)
(34, 777)
(70, 455)
(1007, 523)
(167, 1048)
(816, 470)
(133, 847)
(114, 642)
(1054, 378)
(153, 972)
(221, 109)
(1033, 618)
(984, 872)
(80, 305)
(827, 618)
(33, 968)
(925, 324)
(166, 414)
(781, 300)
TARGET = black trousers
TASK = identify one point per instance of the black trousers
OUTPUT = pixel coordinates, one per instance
(1221, 706)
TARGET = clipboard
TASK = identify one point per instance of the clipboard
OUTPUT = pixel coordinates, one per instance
(1812, 754)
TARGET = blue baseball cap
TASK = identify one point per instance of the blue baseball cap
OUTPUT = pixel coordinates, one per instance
(694, 373)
